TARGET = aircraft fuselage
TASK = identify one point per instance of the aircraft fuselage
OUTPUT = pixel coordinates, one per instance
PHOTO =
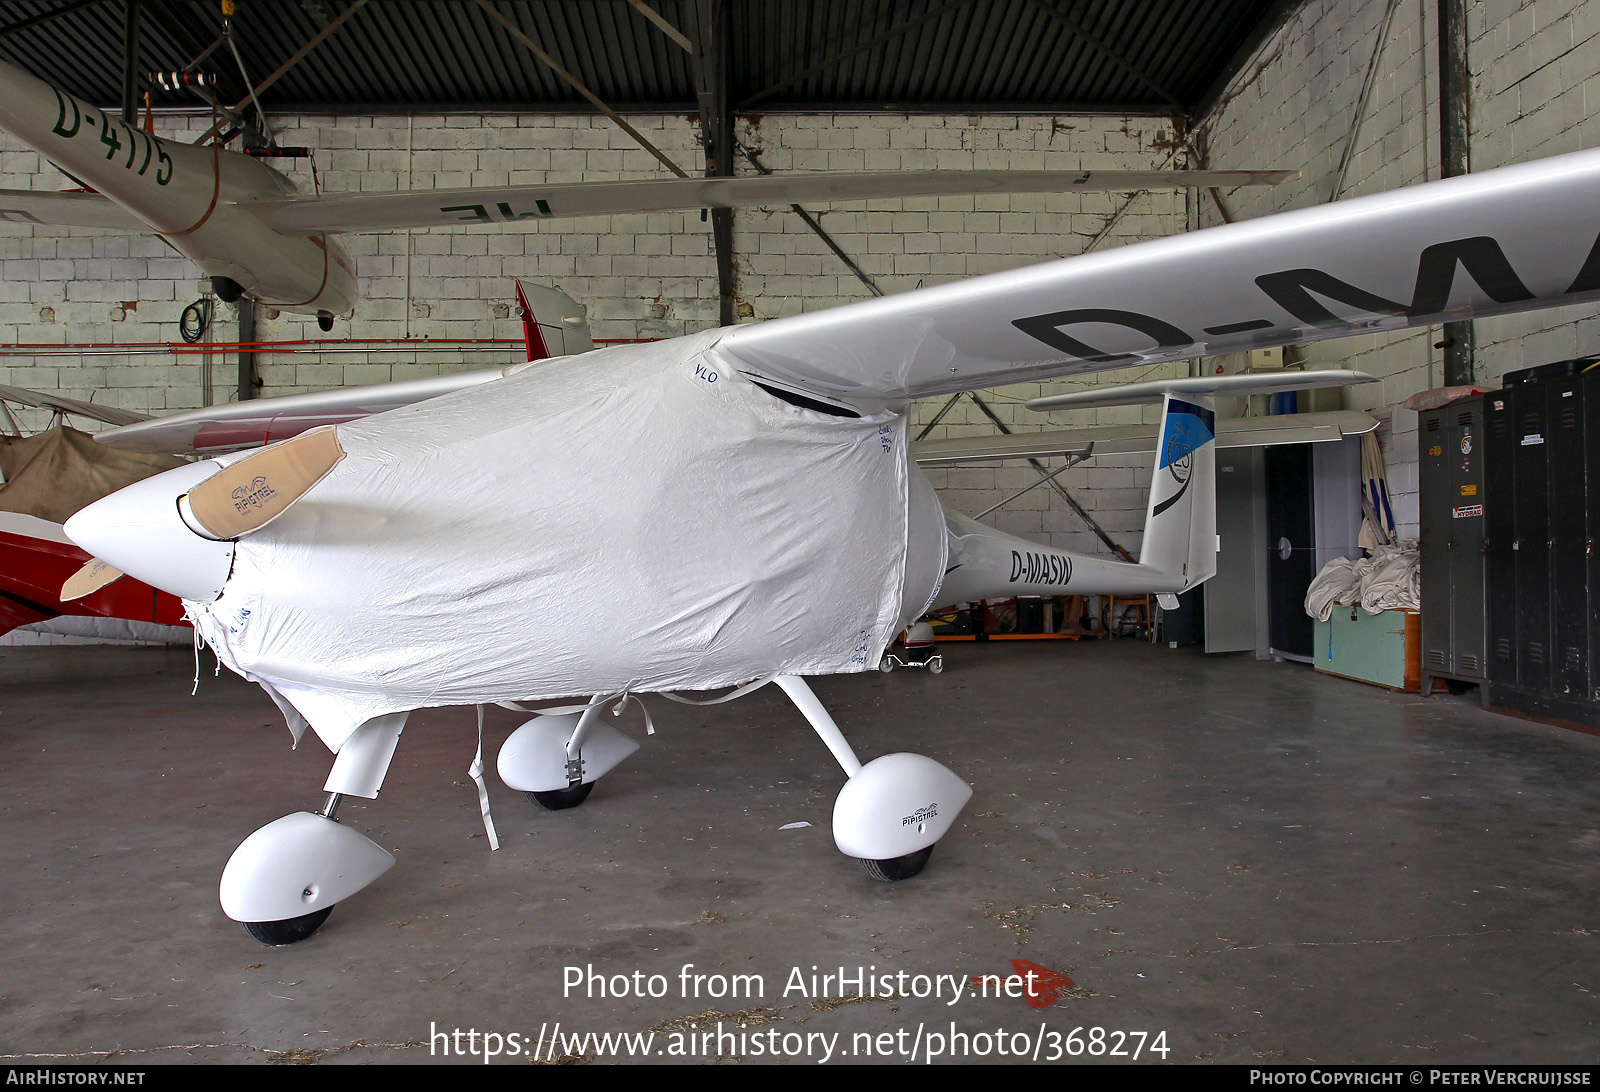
(188, 194)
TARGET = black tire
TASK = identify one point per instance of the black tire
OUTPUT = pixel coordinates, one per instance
(898, 868)
(324, 321)
(227, 289)
(290, 930)
(562, 799)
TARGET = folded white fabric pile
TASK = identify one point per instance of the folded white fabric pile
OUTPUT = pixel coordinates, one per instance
(1391, 579)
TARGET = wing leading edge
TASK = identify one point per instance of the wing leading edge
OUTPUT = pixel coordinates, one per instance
(1513, 239)
(511, 204)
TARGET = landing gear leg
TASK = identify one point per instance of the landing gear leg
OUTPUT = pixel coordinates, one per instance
(556, 758)
(893, 809)
(283, 881)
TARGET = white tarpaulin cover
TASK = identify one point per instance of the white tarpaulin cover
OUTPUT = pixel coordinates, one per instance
(637, 518)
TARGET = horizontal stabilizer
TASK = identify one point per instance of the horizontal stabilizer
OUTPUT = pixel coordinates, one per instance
(1128, 394)
(1287, 428)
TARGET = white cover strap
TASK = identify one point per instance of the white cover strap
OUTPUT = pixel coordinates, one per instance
(736, 692)
(476, 772)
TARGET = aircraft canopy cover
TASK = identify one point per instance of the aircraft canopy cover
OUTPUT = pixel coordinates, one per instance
(642, 517)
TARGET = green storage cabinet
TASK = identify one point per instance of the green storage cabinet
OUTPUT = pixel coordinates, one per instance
(1375, 648)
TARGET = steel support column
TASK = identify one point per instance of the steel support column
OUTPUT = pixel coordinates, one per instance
(1455, 157)
(248, 384)
(130, 62)
(708, 31)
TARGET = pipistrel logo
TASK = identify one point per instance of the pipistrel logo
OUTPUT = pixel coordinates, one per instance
(921, 815)
(254, 495)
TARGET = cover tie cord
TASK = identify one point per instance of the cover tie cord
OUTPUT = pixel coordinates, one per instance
(736, 692)
(476, 772)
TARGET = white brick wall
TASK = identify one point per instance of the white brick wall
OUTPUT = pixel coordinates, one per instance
(1533, 66)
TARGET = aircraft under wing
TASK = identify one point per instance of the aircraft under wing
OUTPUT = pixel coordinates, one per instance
(1289, 428)
(88, 210)
(508, 204)
(71, 406)
(214, 429)
(1512, 239)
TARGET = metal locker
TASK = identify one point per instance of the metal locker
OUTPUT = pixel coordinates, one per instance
(1451, 481)
(1500, 527)
(1569, 623)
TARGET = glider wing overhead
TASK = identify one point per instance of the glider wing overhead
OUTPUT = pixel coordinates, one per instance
(509, 204)
(1512, 239)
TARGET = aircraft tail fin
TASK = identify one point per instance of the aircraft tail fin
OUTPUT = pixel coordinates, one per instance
(1180, 526)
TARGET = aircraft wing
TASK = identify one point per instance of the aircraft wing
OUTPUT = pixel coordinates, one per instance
(507, 204)
(61, 404)
(1512, 239)
(215, 429)
(89, 210)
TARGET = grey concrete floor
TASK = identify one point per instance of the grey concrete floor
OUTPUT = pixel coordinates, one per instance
(1261, 862)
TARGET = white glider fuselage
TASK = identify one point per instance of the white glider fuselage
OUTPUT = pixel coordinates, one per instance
(190, 195)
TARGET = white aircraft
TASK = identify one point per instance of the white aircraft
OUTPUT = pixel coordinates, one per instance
(738, 506)
(247, 228)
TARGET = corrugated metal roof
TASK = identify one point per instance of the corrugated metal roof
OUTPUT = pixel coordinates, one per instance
(1132, 56)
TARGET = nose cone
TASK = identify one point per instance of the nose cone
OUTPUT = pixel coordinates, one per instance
(141, 531)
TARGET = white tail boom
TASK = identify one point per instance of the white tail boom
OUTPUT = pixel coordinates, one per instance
(1180, 544)
(1180, 531)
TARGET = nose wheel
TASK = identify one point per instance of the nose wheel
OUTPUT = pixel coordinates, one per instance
(562, 799)
(290, 931)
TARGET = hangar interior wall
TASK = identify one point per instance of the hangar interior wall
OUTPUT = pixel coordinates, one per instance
(1291, 106)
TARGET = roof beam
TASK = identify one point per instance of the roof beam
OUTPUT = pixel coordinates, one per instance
(65, 9)
(894, 31)
(283, 69)
(577, 85)
(1083, 34)
(661, 22)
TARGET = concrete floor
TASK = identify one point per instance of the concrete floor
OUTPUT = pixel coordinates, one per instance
(1263, 863)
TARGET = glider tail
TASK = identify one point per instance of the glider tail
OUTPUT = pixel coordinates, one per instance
(1180, 526)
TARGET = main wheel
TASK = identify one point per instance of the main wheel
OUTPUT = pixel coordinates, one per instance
(288, 931)
(227, 289)
(562, 799)
(898, 868)
(324, 321)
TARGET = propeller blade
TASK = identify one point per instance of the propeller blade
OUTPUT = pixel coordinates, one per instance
(94, 575)
(259, 488)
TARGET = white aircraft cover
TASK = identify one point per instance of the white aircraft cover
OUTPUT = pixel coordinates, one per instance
(641, 518)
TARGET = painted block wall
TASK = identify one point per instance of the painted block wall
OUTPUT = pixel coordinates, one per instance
(1533, 66)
